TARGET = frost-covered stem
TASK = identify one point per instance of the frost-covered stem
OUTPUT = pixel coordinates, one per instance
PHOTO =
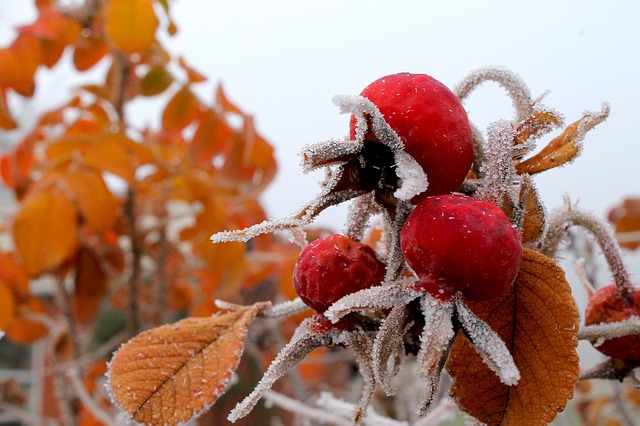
(136, 267)
(610, 330)
(301, 344)
(611, 369)
(73, 374)
(66, 308)
(510, 81)
(558, 226)
(296, 407)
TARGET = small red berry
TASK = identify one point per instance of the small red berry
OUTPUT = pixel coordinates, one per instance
(332, 267)
(608, 305)
(432, 124)
(459, 244)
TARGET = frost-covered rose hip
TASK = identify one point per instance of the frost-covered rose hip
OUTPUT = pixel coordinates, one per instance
(432, 124)
(609, 305)
(459, 244)
(332, 267)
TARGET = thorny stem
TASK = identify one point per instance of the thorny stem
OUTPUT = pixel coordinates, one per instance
(136, 258)
(558, 226)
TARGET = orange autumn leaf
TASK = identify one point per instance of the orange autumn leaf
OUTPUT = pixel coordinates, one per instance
(44, 231)
(181, 110)
(168, 374)
(25, 330)
(6, 119)
(213, 133)
(131, 24)
(13, 274)
(224, 102)
(564, 148)
(7, 306)
(626, 221)
(538, 321)
(18, 64)
(90, 286)
(118, 154)
(96, 204)
(89, 50)
(193, 75)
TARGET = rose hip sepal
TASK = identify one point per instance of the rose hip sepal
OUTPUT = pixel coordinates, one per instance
(461, 245)
(432, 124)
(609, 305)
(330, 268)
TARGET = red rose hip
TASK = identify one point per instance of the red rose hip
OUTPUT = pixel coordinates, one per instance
(608, 305)
(461, 245)
(332, 267)
(432, 124)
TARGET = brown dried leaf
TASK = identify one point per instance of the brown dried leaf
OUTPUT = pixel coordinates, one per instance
(564, 148)
(626, 220)
(169, 374)
(538, 321)
(534, 216)
(537, 124)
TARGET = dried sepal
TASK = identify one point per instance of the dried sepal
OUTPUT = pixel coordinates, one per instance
(360, 211)
(541, 121)
(380, 297)
(388, 347)
(532, 223)
(565, 147)
(302, 343)
(488, 345)
(510, 81)
(436, 340)
(328, 153)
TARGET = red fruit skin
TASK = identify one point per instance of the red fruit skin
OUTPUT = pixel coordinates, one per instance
(607, 305)
(432, 124)
(460, 245)
(332, 267)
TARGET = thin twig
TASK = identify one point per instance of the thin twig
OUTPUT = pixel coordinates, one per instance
(136, 259)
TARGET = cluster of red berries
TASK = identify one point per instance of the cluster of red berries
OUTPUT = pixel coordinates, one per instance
(458, 246)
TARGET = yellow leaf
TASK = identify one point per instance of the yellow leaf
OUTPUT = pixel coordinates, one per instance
(44, 231)
(131, 24)
(538, 321)
(171, 373)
